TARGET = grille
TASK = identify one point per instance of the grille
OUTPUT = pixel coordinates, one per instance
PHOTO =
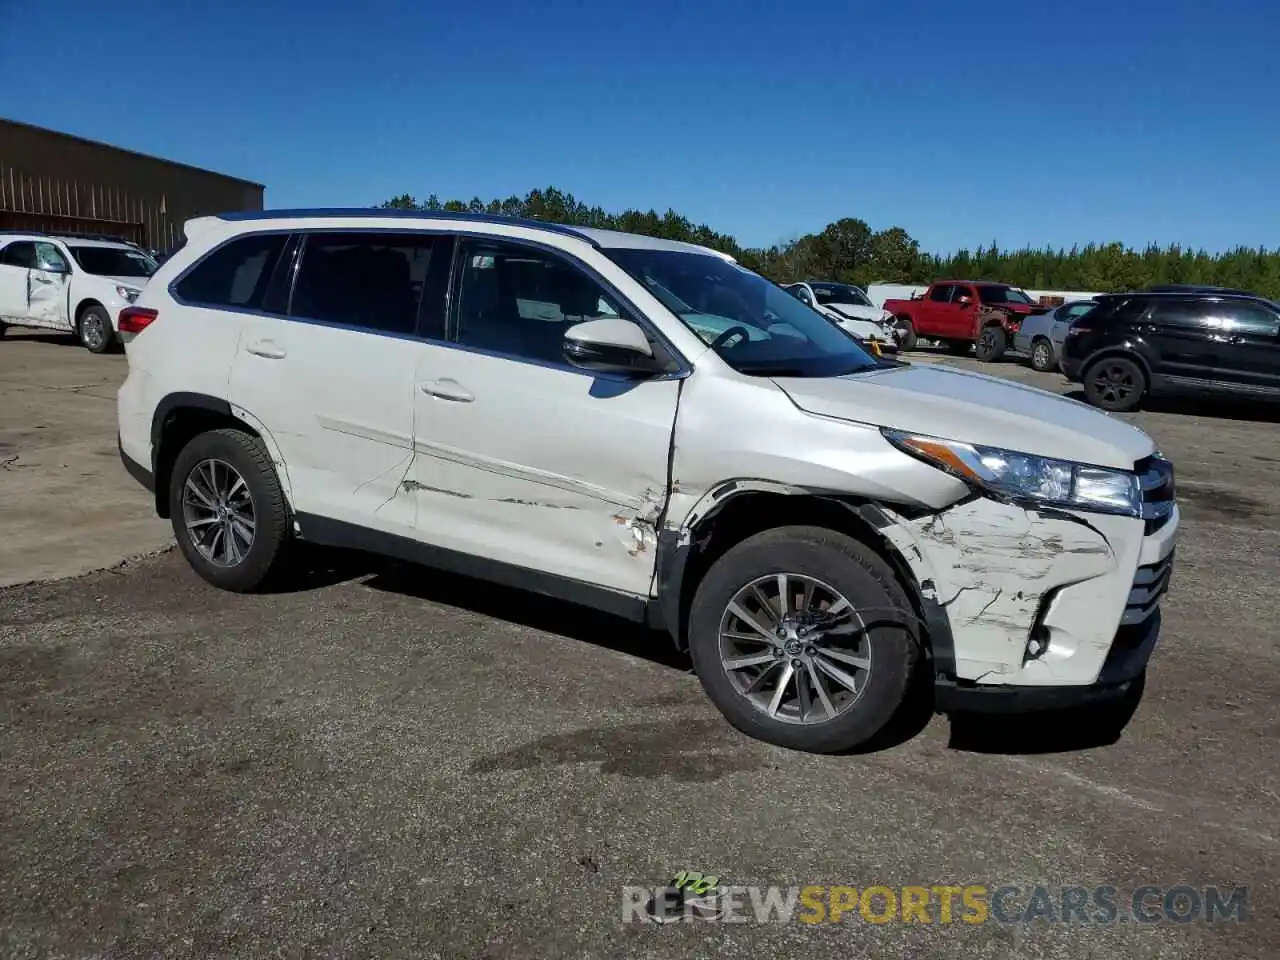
(1155, 474)
(1149, 585)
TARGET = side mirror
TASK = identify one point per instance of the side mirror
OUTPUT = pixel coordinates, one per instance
(609, 345)
(965, 301)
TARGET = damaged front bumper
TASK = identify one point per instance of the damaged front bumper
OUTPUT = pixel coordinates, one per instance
(1037, 609)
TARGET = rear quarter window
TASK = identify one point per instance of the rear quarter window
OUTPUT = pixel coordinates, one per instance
(236, 274)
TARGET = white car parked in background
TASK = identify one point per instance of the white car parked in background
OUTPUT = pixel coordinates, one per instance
(650, 429)
(72, 283)
(849, 307)
(1040, 336)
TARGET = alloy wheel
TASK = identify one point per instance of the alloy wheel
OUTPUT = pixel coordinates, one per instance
(218, 512)
(92, 331)
(795, 648)
(1114, 383)
(1040, 355)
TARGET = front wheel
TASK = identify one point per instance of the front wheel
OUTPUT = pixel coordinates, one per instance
(228, 510)
(802, 637)
(992, 343)
(94, 329)
(1115, 384)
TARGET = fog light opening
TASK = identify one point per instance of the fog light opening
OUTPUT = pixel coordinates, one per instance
(1037, 643)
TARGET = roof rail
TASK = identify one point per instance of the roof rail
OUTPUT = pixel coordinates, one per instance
(394, 213)
(69, 235)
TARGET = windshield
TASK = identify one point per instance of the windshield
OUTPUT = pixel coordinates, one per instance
(114, 261)
(840, 293)
(999, 293)
(755, 326)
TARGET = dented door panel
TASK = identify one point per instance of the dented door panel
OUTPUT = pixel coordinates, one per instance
(543, 467)
(339, 404)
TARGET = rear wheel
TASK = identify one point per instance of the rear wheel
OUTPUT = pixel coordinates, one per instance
(228, 510)
(905, 332)
(1115, 384)
(94, 330)
(1041, 355)
(802, 637)
(992, 343)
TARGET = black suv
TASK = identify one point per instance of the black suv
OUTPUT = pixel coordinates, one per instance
(1205, 340)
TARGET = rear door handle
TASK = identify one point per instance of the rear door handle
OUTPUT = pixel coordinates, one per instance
(266, 348)
(446, 389)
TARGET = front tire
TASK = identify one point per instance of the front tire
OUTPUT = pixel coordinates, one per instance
(992, 342)
(826, 670)
(228, 510)
(94, 330)
(1115, 384)
(1042, 355)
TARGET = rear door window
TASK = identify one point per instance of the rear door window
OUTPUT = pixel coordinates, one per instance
(941, 293)
(389, 283)
(20, 253)
(235, 275)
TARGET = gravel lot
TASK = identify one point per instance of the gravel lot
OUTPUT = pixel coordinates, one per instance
(391, 762)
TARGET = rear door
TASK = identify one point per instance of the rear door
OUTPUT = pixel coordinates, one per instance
(1247, 347)
(933, 310)
(328, 369)
(16, 261)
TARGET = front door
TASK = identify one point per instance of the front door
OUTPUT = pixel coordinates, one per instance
(1181, 332)
(331, 374)
(1247, 345)
(523, 458)
(16, 261)
(47, 301)
(962, 318)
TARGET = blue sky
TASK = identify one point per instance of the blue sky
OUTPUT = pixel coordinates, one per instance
(1020, 122)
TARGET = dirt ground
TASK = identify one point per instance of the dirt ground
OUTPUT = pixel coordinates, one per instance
(391, 762)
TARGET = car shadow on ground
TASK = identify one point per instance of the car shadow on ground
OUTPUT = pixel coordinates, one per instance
(1051, 731)
(1048, 732)
(1256, 412)
(56, 339)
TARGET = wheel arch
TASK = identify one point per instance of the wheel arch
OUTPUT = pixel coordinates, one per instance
(1124, 353)
(84, 304)
(746, 508)
(180, 417)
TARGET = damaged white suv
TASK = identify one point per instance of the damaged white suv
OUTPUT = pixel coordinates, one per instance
(647, 428)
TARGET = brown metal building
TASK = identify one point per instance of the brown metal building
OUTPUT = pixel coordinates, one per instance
(56, 182)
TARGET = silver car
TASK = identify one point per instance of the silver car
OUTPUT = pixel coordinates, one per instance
(1041, 336)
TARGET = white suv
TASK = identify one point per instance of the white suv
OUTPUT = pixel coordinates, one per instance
(70, 282)
(647, 428)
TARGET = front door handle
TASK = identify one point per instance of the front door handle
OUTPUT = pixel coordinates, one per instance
(266, 348)
(446, 388)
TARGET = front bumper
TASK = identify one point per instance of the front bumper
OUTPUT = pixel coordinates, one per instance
(136, 470)
(1036, 609)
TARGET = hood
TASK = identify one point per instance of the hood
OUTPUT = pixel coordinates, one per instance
(138, 283)
(874, 314)
(974, 408)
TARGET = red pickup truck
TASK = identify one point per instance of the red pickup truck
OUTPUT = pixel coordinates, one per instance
(961, 313)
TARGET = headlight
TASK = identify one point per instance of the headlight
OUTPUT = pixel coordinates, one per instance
(127, 293)
(1012, 476)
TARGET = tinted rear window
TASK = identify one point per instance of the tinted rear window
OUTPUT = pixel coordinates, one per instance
(236, 274)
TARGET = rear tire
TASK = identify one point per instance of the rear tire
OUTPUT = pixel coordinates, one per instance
(94, 330)
(906, 333)
(1115, 384)
(992, 343)
(1042, 358)
(228, 510)
(879, 659)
